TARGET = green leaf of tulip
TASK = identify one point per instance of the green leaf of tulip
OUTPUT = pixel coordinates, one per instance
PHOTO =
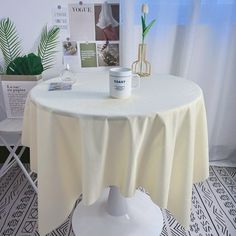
(143, 23)
(148, 28)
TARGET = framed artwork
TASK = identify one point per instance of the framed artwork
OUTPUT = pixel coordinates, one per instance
(94, 34)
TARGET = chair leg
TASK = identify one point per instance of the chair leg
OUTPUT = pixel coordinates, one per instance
(16, 159)
(5, 168)
(25, 172)
(9, 161)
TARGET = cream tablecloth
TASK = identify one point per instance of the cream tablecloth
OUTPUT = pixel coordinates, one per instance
(82, 141)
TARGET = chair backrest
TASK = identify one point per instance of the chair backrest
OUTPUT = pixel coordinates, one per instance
(3, 114)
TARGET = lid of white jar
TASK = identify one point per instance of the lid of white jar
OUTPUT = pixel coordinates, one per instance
(120, 71)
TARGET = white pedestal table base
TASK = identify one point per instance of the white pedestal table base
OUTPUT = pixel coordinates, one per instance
(143, 217)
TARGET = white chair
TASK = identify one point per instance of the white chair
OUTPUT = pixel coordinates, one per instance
(14, 126)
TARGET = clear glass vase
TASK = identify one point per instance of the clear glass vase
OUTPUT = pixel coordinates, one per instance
(67, 75)
(142, 67)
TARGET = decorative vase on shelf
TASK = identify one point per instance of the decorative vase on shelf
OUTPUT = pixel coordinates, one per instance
(142, 67)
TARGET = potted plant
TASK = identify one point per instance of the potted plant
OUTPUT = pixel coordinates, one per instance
(32, 64)
(18, 68)
(142, 66)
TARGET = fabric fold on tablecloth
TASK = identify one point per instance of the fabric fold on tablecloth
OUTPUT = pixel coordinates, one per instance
(164, 152)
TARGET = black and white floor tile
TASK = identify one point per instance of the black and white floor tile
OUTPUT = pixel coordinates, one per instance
(213, 207)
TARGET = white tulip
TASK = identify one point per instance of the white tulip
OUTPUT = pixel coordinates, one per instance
(145, 8)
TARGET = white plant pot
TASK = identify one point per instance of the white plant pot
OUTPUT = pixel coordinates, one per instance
(15, 89)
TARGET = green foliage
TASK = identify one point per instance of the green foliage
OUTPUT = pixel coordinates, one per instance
(145, 27)
(48, 43)
(30, 64)
(143, 23)
(9, 41)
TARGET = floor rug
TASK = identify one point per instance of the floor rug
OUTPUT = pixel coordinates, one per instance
(213, 207)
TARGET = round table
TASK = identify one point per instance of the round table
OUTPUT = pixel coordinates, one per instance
(83, 141)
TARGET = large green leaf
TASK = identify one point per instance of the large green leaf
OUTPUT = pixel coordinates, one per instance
(47, 45)
(9, 41)
(30, 64)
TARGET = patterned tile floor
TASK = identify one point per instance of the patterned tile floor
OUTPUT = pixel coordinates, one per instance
(213, 207)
